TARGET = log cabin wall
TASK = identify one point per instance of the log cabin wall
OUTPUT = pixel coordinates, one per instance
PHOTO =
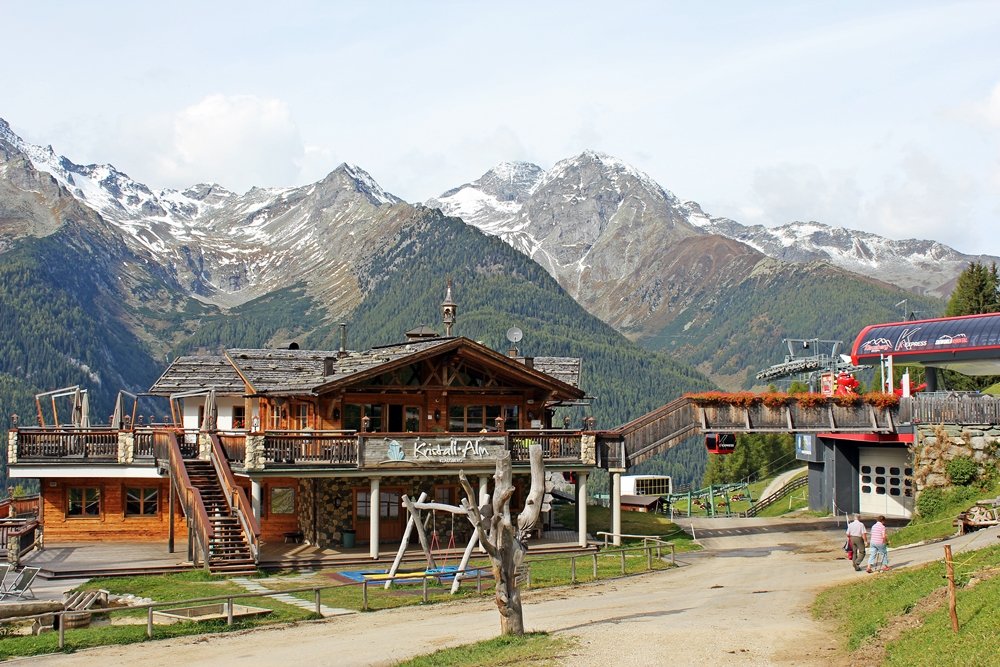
(111, 522)
(280, 507)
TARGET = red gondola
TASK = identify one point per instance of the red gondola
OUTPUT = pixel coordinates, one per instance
(720, 443)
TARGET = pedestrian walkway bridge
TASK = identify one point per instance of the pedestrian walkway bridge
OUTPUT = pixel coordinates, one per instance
(683, 418)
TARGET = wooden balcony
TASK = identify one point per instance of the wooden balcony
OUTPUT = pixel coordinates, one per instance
(96, 445)
(795, 418)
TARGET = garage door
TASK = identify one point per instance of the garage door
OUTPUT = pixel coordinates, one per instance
(886, 481)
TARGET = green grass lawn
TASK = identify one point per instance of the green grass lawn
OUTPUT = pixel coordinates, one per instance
(130, 625)
(940, 524)
(536, 648)
(862, 609)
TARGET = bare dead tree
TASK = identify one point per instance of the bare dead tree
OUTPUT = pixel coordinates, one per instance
(502, 537)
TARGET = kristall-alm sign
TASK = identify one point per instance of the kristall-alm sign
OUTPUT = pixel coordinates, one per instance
(422, 450)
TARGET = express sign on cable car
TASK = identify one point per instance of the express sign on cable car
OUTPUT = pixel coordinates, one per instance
(720, 443)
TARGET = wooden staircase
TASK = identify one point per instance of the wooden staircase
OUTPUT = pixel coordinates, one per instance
(228, 550)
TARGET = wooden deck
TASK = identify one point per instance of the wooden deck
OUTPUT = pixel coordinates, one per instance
(103, 559)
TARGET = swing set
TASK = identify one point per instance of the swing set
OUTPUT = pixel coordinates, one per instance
(416, 520)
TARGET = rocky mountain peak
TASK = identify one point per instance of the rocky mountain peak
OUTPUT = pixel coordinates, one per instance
(354, 177)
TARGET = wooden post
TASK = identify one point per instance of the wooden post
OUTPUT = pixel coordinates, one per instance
(170, 512)
(952, 602)
(460, 573)
(364, 595)
(622, 552)
(414, 518)
(572, 569)
(149, 622)
(318, 606)
(595, 567)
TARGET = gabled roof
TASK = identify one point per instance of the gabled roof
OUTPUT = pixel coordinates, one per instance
(303, 371)
(282, 371)
(376, 361)
(193, 373)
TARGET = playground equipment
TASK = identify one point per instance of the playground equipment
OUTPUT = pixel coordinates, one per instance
(714, 500)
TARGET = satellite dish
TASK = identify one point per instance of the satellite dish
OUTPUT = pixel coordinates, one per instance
(514, 334)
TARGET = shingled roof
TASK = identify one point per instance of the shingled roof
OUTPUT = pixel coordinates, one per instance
(284, 371)
(298, 371)
(195, 373)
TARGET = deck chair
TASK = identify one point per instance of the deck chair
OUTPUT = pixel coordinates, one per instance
(21, 584)
(4, 569)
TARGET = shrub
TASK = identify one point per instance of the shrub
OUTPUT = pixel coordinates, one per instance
(930, 502)
(962, 470)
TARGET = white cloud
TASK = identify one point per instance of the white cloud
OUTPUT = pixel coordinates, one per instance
(239, 141)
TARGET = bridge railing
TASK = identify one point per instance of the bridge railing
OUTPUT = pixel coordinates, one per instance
(952, 408)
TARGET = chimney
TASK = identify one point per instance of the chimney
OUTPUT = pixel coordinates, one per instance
(343, 341)
(329, 366)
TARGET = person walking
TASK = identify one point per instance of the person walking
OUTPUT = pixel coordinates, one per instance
(858, 537)
(879, 543)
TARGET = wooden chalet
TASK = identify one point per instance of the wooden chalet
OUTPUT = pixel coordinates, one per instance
(288, 444)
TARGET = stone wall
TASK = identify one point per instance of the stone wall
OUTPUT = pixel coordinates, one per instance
(936, 445)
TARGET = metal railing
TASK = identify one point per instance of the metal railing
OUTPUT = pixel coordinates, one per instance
(764, 503)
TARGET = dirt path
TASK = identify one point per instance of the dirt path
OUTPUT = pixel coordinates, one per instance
(745, 601)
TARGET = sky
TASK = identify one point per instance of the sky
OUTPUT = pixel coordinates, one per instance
(879, 116)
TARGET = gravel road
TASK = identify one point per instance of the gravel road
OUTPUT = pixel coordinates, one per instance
(743, 601)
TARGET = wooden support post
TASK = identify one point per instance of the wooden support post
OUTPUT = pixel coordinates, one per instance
(316, 592)
(420, 531)
(406, 540)
(622, 552)
(149, 622)
(952, 601)
(170, 513)
(572, 569)
(364, 595)
(649, 558)
(424, 598)
(460, 573)
(61, 619)
(595, 567)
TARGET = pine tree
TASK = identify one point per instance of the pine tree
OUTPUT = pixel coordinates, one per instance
(977, 291)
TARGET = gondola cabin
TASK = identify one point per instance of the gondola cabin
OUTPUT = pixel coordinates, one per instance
(720, 443)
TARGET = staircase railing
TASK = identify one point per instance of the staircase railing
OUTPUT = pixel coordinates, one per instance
(656, 431)
(166, 446)
(763, 503)
(236, 497)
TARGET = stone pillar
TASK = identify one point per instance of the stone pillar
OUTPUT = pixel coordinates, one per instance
(374, 502)
(616, 507)
(581, 507)
(126, 446)
(12, 446)
(254, 456)
(256, 494)
(204, 447)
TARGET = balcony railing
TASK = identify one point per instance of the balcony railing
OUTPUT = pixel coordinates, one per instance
(337, 448)
(952, 408)
(556, 445)
(67, 443)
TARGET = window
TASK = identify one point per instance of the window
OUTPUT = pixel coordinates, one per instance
(476, 418)
(353, 412)
(239, 416)
(282, 500)
(84, 502)
(302, 416)
(362, 504)
(275, 416)
(447, 495)
(142, 502)
(389, 502)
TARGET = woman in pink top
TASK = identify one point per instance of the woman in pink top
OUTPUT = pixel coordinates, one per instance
(878, 543)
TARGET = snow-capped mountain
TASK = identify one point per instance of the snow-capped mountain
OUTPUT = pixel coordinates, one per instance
(924, 267)
(227, 248)
(559, 222)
